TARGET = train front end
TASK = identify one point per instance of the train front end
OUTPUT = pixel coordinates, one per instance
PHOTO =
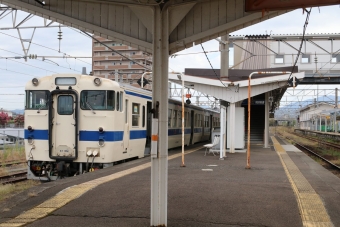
(64, 125)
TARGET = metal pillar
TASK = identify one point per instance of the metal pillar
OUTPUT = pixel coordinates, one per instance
(336, 110)
(266, 120)
(159, 161)
(231, 124)
(224, 49)
(320, 123)
(223, 129)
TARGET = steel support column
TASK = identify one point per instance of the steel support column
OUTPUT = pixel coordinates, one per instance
(224, 48)
(222, 132)
(159, 163)
(266, 120)
(231, 124)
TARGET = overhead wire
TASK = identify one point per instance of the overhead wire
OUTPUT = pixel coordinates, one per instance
(213, 67)
(48, 48)
(41, 60)
(130, 59)
(302, 40)
(28, 64)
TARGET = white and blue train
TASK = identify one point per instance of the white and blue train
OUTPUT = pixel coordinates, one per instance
(80, 123)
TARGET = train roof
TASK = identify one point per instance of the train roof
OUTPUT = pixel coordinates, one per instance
(128, 87)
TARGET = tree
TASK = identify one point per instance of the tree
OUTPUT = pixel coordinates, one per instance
(4, 118)
(19, 120)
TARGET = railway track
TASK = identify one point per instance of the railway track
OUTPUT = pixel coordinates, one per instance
(312, 153)
(11, 163)
(319, 156)
(333, 145)
(14, 177)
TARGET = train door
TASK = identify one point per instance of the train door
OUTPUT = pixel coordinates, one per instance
(126, 127)
(63, 127)
(192, 126)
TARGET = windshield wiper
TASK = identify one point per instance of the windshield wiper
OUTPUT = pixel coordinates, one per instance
(90, 107)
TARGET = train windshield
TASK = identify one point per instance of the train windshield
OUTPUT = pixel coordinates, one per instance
(37, 100)
(97, 100)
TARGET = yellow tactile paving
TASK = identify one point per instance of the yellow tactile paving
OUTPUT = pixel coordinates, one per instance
(312, 210)
(71, 193)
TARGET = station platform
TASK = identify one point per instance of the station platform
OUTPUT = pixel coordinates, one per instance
(283, 188)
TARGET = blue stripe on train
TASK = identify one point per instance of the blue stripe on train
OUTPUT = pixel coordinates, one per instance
(108, 136)
(138, 95)
(36, 134)
(172, 132)
(137, 134)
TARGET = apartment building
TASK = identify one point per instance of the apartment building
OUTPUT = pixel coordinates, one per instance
(109, 58)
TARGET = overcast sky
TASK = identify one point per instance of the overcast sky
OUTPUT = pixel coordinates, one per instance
(14, 73)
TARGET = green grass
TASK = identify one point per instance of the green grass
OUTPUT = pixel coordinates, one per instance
(12, 153)
(8, 190)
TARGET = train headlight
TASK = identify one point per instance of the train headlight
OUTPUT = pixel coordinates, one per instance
(97, 81)
(29, 128)
(101, 129)
(35, 81)
(101, 142)
(30, 141)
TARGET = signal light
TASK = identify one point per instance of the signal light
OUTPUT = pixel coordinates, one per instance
(145, 82)
(188, 101)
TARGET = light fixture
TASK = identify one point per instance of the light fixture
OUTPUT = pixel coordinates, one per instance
(30, 141)
(35, 81)
(41, 2)
(101, 129)
(97, 81)
(101, 142)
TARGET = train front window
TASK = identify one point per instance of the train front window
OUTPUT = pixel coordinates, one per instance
(97, 100)
(37, 100)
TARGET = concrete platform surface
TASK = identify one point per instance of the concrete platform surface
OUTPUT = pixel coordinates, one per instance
(226, 195)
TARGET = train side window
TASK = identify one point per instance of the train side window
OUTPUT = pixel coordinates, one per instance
(180, 118)
(169, 117)
(117, 102)
(110, 100)
(121, 102)
(135, 114)
(126, 111)
(174, 119)
(143, 120)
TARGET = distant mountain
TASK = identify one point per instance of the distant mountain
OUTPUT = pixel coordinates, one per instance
(17, 111)
(292, 110)
(304, 103)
